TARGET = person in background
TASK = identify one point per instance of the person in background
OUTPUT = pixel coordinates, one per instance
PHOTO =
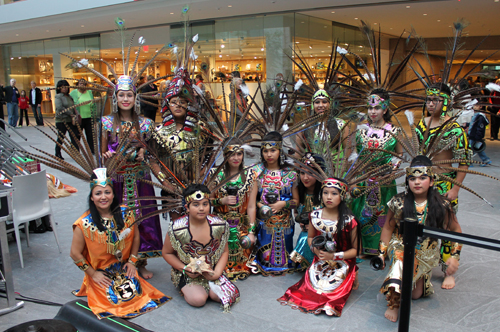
(2, 102)
(149, 110)
(200, 84)
(476, 133)
(81, 95)
(495, 118)
(35, 101)
(11, 97)
(23, 106)
(63, 118)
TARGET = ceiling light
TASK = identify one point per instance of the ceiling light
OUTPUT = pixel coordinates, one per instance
(310, 47)
(297, 42)
(322, 51)
(171, 13)
(262, 49)
(230, 6)
(374, 23)
(116, 58)
(407, 6)
(255, 57)
(20, 57)
(425, 14)
(12, 58)
(220, 55)
(333, 12)
(439, 20)
(83, 26)
(355, 18)
(222, 46)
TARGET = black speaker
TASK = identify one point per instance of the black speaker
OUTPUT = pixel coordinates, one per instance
(43, 325)
(78, 314)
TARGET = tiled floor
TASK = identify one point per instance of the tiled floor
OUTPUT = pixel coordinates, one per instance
(473, 305)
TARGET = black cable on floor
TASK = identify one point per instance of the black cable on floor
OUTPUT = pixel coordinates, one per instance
(30, 299)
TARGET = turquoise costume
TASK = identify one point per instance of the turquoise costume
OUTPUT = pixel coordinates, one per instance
(302, 253)
(370, 210)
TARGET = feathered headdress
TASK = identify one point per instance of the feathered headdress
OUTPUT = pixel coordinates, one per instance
(443, 140)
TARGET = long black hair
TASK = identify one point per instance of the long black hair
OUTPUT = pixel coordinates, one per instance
(382, 93)
(303, 191)
(115, 209)
(345, 213)
(437, 213)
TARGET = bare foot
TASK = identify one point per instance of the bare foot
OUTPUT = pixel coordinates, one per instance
(448, 282)
(146, 274)
(355, 284)
(392, 314)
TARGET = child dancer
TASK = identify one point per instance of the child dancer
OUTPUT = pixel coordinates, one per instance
(422, 201)
(328, 282)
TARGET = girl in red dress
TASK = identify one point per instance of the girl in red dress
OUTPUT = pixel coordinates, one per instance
(333, 239)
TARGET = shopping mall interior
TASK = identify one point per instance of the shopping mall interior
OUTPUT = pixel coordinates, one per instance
(256, 38)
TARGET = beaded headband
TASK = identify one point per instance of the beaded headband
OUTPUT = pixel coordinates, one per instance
(196, 196)
(419, 171)
(439, 93)
(271, 145)
(375, 100)
(102, 179)
(232, 148)
(125, 83)
(337, 184)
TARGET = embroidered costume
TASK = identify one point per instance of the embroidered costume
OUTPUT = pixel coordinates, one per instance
(126, 297)
(427, 253)
(127, 182)
(370, 209)
(326, 285)
(187, 249)
(275, 234)
(237, 219)
(302, 254)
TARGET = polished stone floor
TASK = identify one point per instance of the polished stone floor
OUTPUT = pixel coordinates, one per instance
(473, 305)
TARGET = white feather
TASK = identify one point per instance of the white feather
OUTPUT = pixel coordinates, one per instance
(124, 234)
(195, 38)
(285, 127)
(192, 55)
(410, 116)
(175, 50)
(244, 89)
(298, 84)
(353, 156)
(493, 87)
(246, 147)
(197, 90)
(471, 103)
(363, 126)
(141, 40)
(369, 76)
(341, 50)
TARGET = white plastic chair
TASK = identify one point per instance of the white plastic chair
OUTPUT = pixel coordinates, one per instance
(30, 201)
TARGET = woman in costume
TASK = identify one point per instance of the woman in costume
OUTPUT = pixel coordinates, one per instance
(230, 203)
(269, 210)
(424, 202)
(370, 209)
(105, 246)
(309, 199)
(126, 122)
(197, 249)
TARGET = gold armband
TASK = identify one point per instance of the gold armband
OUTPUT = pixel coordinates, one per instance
(82, 264)
(382, 248)
(161, 176)
(133, 259)
(456, 248)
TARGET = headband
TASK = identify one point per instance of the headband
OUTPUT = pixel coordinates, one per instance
(271, 145)
(196, 196)
(125, 83)
(375, 100)
(337, 184)
(419, 171)
(232, 148)
(439, 93)
(102, 180)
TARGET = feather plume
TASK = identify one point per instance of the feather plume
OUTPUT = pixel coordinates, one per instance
(493, 87)
(410, 116)
(298, 85)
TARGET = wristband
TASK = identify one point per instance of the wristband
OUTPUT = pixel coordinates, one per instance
(184, 270)
(82, 264)
(382, 248)
(338, 256)
(161, 176)
(133, 259)
(252, 228)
